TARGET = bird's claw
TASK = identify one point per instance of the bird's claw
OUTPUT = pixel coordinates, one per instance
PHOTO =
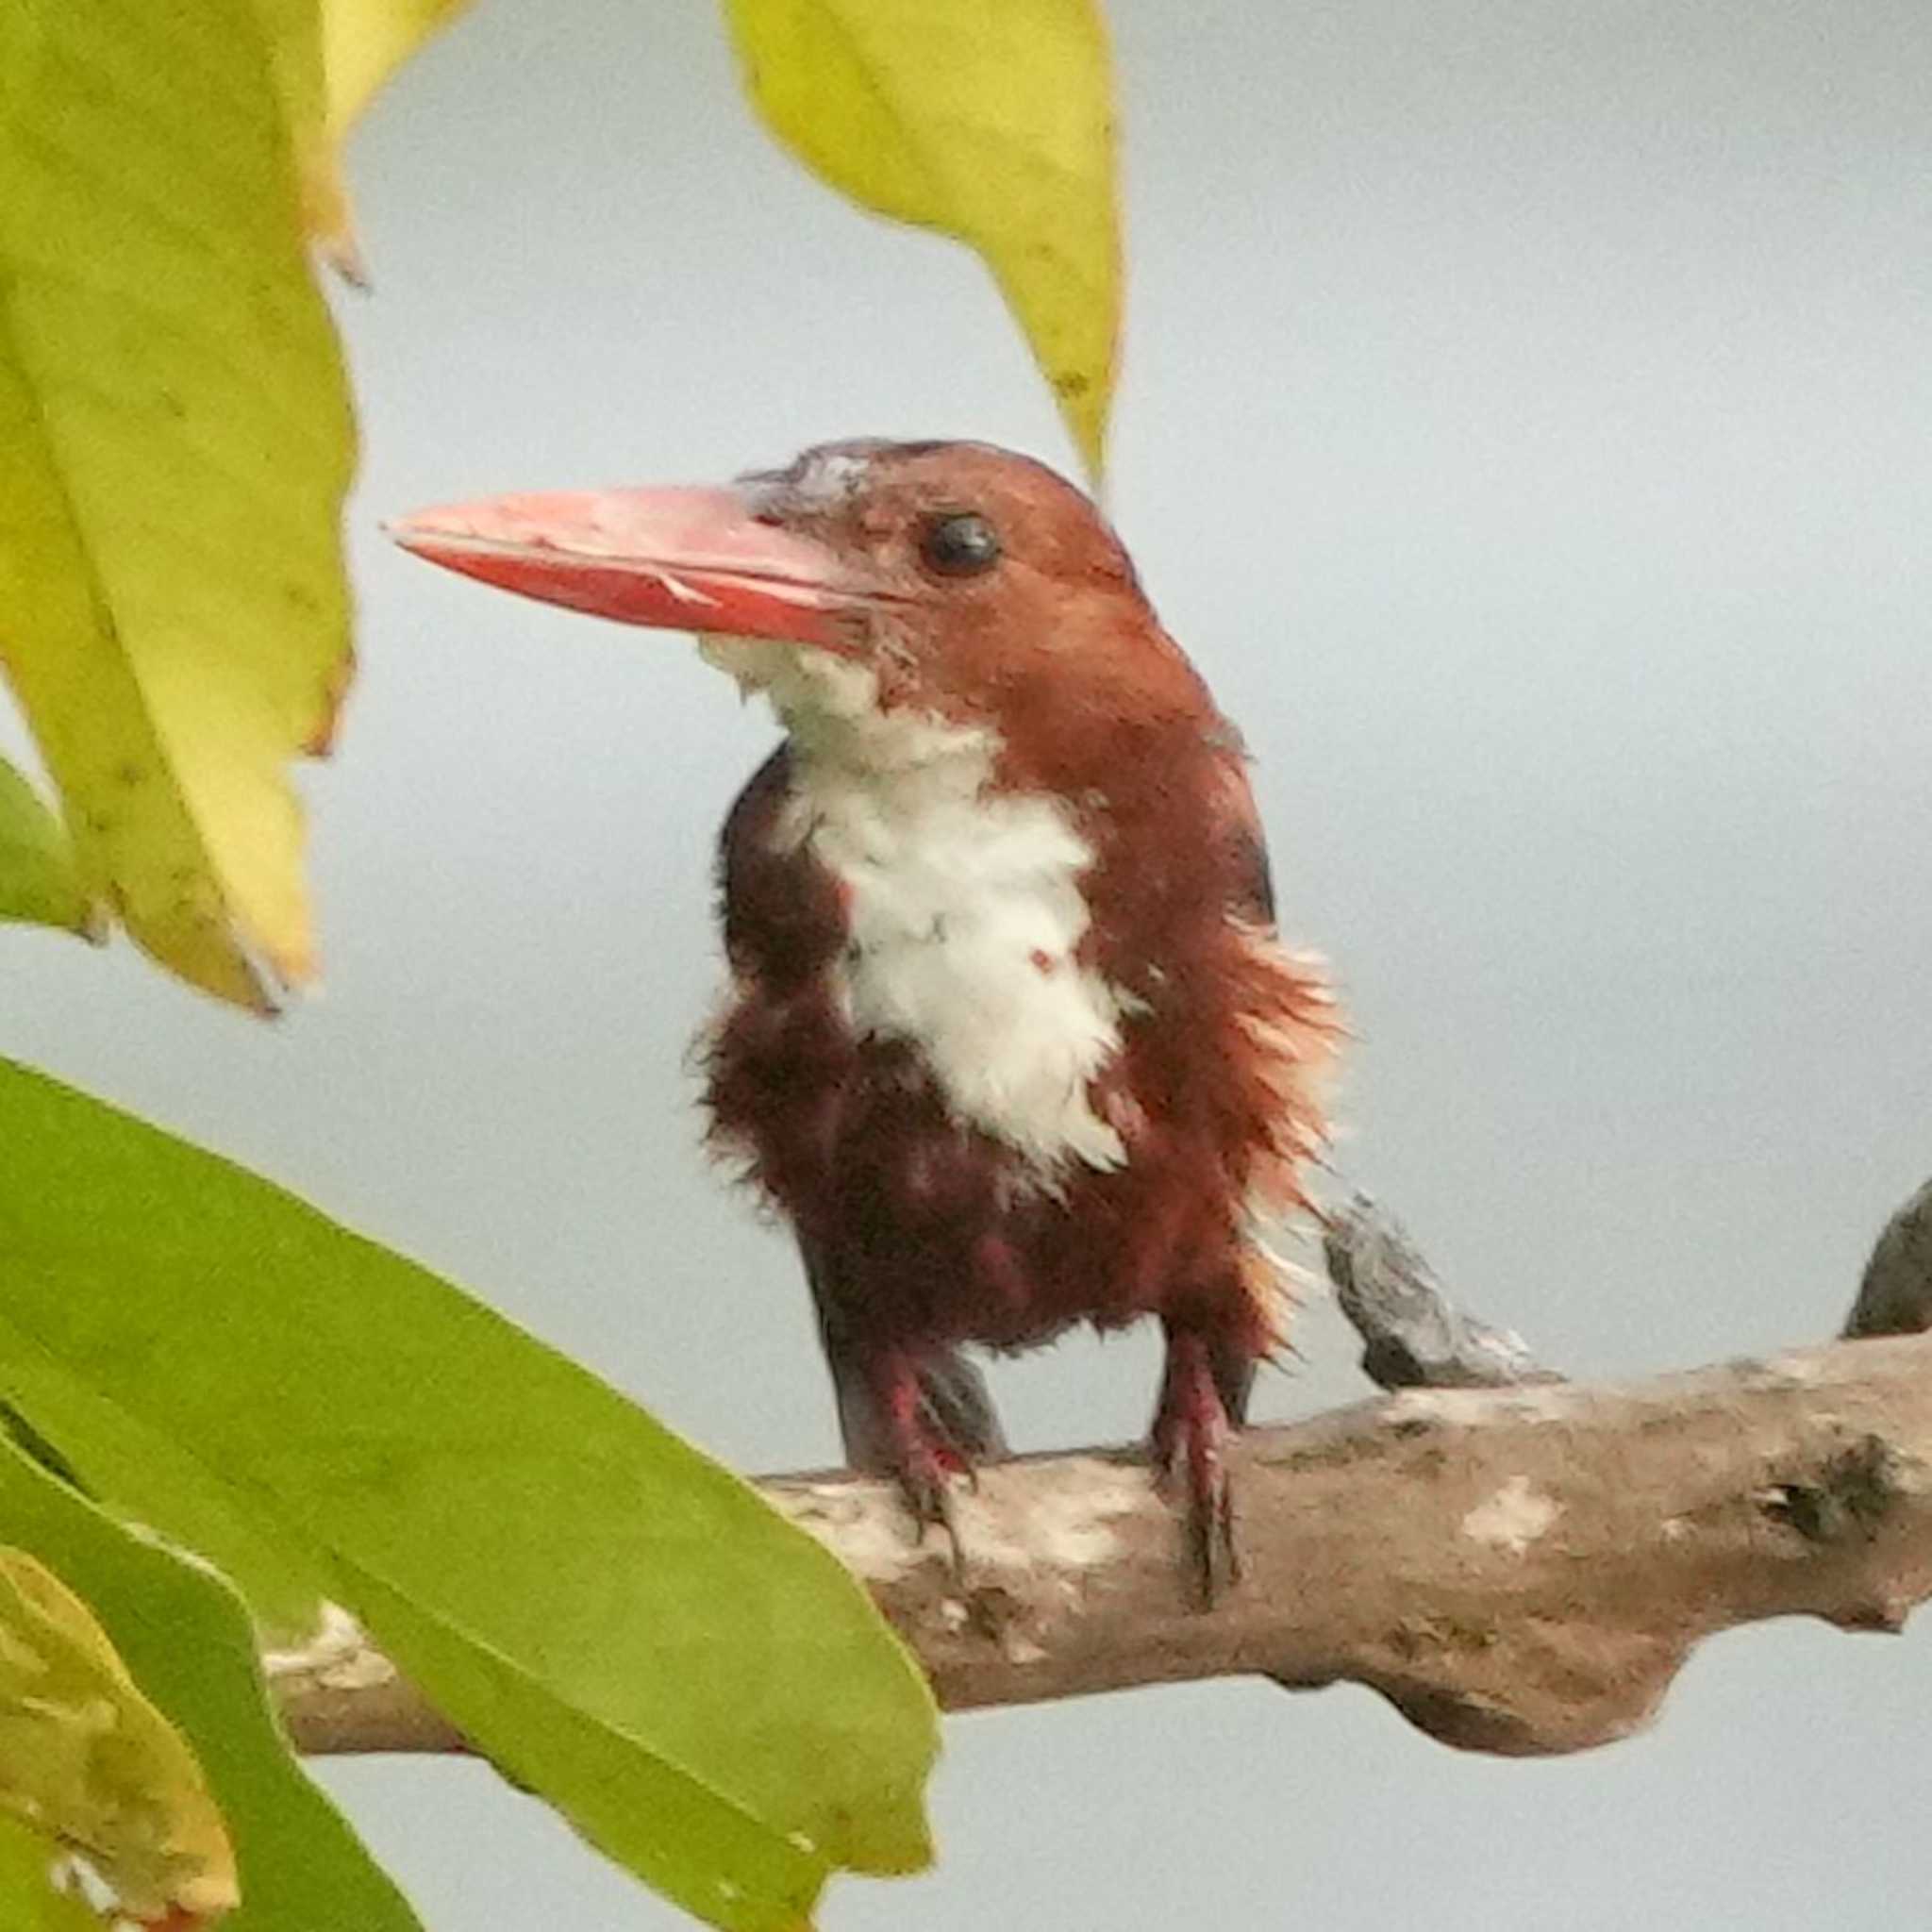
(923, 1457)
(933, 1504)
(1212, 1551)
(1191, 1435)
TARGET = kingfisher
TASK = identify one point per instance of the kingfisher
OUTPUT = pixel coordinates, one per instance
(1011, 1039)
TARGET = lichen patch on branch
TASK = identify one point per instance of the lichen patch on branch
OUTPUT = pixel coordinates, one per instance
(1513, 1518)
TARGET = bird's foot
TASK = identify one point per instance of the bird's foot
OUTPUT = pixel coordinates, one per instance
(921, 1451)
(1191, 1435)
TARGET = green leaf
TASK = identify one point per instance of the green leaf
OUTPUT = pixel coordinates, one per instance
(87, 1760)
(988, 120)
(28, 1902)
(144, 1476)
(624, 1625)
(38, 879)
(174, 445)
(187, 1640)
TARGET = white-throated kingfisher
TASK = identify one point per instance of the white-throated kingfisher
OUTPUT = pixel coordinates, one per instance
(1011, 1040)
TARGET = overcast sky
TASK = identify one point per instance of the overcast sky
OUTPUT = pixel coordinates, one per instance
(1528, 425)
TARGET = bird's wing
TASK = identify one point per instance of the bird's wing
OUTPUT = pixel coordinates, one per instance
(1251, 895)
(1251, 898)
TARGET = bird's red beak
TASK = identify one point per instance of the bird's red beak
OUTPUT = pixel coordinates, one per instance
(692, 560)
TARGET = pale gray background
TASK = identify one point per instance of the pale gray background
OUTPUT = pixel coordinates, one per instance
(1527, 426)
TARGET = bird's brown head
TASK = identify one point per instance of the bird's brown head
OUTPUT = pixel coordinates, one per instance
(868, 581)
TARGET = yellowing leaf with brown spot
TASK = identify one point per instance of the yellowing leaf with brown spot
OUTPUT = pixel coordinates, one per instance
(175, 446)
(38, 880)
(988, 120)
(330, 60)
(292, 32)
(89, 1763)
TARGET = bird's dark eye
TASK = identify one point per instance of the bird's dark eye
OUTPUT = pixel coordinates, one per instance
(960, 543)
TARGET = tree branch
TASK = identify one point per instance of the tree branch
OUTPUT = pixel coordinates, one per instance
(1517, 1570)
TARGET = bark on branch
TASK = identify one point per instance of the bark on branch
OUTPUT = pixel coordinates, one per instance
(1520, 1569)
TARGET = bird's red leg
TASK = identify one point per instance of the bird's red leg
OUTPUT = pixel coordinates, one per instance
(920, 1454)
(1191, 1432)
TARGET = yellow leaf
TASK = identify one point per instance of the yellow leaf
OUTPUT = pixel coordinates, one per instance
(988, 120)
(89, 1762)
(174, 445)
(330, 58)
(364, 41)
(38, 880)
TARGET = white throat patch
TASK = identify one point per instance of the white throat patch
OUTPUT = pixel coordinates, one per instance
(964, 908)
